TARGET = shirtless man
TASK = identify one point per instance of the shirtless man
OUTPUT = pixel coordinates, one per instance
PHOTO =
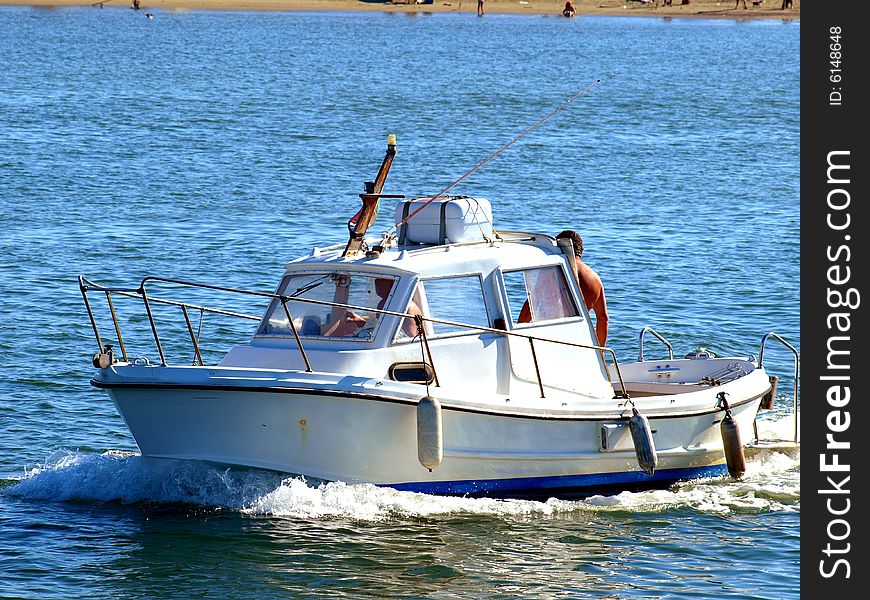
(590, 286)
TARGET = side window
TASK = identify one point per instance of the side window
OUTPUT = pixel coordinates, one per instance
(457, 299)
(515, 286)
(538, 295)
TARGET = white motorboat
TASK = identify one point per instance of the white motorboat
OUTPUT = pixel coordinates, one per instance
(404, 362)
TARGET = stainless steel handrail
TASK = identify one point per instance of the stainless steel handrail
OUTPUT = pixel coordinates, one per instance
(796, 370)
(86, 286)
(656, 334)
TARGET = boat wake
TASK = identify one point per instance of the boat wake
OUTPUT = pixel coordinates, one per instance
(771, 483)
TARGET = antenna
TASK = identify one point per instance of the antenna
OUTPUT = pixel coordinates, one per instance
(490, 157)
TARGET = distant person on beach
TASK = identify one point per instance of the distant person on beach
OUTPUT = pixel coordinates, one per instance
(135, 5)
(569, 11)
(480, 9)
(738, 4)
(787, 4)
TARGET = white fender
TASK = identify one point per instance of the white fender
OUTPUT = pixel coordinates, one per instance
(430, 446)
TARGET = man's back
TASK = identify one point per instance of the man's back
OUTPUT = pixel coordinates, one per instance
(593, 295)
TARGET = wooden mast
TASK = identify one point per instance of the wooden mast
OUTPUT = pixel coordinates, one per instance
(365, 217)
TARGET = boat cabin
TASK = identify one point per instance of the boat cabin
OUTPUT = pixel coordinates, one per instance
(356, 314)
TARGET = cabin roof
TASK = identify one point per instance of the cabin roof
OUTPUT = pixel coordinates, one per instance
(510, 250)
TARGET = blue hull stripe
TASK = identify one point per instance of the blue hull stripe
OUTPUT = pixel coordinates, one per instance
(575, 483)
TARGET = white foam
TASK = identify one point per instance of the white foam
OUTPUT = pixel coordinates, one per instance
(777, 426)
(126, 478)
(369, 502)
(772, 483)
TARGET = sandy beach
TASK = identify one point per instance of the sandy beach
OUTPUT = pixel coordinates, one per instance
(769, 9)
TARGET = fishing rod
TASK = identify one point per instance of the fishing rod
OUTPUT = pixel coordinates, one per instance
(395, 227)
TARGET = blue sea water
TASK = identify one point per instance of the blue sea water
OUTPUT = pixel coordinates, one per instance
(216, 146)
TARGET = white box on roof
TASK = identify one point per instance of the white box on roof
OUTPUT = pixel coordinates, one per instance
(447, 220)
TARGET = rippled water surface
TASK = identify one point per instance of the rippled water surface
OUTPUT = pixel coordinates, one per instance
(216, 146)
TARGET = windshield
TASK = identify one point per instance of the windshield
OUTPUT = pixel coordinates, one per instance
(321, 321)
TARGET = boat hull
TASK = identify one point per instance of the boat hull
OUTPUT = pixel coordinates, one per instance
(335, 435)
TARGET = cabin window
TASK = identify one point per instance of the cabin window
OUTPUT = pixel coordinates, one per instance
(411, 372)
(458, 299)
(540, 294)
(311, 320)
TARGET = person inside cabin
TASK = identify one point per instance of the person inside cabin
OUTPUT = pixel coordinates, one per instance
(590, 287)
(344, 322)
(382, 289)
(409, 326)
(569, 10)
